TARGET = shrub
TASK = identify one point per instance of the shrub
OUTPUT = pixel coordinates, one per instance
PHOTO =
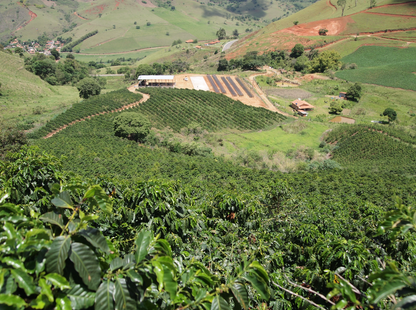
(131, 125)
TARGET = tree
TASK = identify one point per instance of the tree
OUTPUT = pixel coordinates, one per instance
(295, 22)
(302, 63)
(145, 69)
(391, 114)
(19, 50)
(88, 87)
(297, 51)
(11, 139)
(354, 92)
(148, 23)
(235, 33)
(70, 56)
(131, 125)
(55, 53)
(335, 107)
(0, 90)
(342, 4)
(327, 60)
(221, 34)
(222, 65)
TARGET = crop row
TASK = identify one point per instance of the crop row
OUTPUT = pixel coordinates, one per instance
(177, 108)
(103, 103)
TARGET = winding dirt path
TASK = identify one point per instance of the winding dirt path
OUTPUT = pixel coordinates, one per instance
(389, 14)
(131, 105)
(76, 14)
(32, 17)
(269, 105)
(332, 5)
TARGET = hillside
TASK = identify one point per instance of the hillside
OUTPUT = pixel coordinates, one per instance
(390, 23)
(159, 22)
(26, 97)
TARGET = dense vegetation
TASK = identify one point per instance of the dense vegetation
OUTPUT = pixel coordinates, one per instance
(69, 47)
(374, 148)
(67, 71)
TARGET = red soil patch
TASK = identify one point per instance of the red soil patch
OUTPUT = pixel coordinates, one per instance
(31, 14)
(334, 26)
(118, 2)
(393, 4)
(96, 9)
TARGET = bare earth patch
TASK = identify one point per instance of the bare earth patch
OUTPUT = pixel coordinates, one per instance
(334, 26)
(289, 93)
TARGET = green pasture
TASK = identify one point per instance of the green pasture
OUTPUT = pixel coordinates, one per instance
(28, 99)
(381, 65)
(405, 36)
(350, 45)
(277, 139)
(405, 9)
(109, 57)
(370, 23)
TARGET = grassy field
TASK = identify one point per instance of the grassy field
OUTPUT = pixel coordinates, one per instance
(280, 139)
(408, 9)
(371, 22)
(409, 36)
(109, 57)
(28, 99)
(380, 65)
(350, 45)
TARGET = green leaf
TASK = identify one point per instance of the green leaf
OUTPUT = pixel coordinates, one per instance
(259, 270)
(142, 242)
(63, 200)
(95, 237)
(12, 300)
(116, 263)
(169, 283)
(58, 281)
(63, 303)
(53, 218)
(240, 293)
(408, 302)
(158, 269)
(9, 286)
(17, 264)
(37, 234)
(163, 247)
(80, 297)
(135, 277)
(104, 296)
(45, 289)
(388, 288)
(122, 295)
(219, 303)
(96, 196)
(41, 302)
(24, 281)
(87, 265)
(10, 231)
(57, 254)
(258, 283)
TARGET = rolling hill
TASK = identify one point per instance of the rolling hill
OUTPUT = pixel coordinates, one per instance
(127, 25)
(391, 23)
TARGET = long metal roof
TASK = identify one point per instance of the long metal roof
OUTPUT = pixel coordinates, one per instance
(155, 77)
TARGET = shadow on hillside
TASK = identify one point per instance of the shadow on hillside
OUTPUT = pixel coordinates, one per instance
(256, 8)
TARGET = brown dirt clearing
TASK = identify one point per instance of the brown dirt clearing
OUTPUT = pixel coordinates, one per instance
(334, 26)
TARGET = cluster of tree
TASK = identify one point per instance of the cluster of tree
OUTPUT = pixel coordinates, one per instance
(67, 71)
(68, 47)
(158, 69)
(297, 60)
(353, 93)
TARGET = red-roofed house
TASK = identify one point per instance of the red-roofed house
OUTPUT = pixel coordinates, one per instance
(302, 106)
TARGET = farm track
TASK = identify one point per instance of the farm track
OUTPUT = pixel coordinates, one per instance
(389, 14)
(131, 105)
(332, 5)
(267, 102)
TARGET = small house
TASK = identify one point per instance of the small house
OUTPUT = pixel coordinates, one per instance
(189, 41)
(301, 106)
(198, 47)
(343, 95)
(156, 81)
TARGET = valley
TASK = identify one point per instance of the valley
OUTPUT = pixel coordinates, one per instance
(207, 154)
